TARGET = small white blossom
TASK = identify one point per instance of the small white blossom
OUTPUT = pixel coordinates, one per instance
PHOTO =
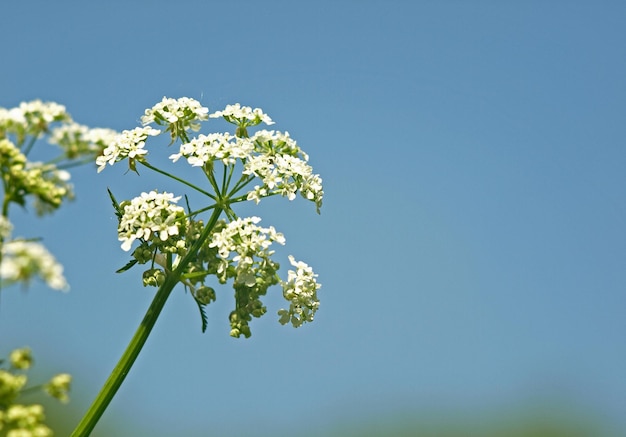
(22, 260)
(187, 111)
(32, 118)
(301, 291)
(277, 143)
(77, 140)
(59, 386)
(150, 214)
(247, 240)
(101, 136)
(13, 116)
(128, 144)
(285, 174)
(70, 130)
(212, 147)
(6, 227)
(243, 115)
(46, 112)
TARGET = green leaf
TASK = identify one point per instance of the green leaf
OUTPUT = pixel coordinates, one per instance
(116, 206)
(202, 315)
(130, 263)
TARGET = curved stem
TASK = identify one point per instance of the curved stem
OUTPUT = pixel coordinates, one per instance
(129, 356)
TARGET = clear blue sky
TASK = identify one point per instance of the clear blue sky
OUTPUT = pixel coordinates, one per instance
(471, 245)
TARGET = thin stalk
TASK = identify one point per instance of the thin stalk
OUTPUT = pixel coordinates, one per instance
(176, 178)
(115, 380)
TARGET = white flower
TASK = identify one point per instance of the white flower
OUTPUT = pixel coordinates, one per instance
(243, 115)
(70, 130)
(77, 140)
(301, 291)
(23, 260)
(128, 144)
(32, 118)
(6, 227)
(101, 136)
(277, 143)
(246, 240)
(171, 111)
(208, 148)
(151, 214)
(13, 116)
(285, 174)
(45, 111)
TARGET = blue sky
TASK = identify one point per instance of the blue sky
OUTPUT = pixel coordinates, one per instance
(471, 245)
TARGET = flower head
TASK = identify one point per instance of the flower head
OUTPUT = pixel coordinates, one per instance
(214, 147)
(301, 292)
(44, 112)
(285, 175)
(128, 144)
(179, 115)
(45, 182)
(247, 240)
(78, 140)
(6, 227)
(243, 116)
(31, 118)
(251, 268)
(59, 386)
(151, 216)
(23, 260)
(24, 421)
(10, 386)
(21, 358)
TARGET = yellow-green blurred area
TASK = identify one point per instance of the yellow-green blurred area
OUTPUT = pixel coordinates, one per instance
(530, 421)
(523, 419)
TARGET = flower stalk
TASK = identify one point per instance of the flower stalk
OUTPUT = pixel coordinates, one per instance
(117, 376)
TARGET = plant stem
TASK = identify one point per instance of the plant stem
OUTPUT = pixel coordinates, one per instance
(176, 178)
(129, 356)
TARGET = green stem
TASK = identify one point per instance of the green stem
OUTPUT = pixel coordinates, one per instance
(176, 178)
(129, 356)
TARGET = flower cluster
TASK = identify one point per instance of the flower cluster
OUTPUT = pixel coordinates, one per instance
(301, 291)
(247, 240)
(251, 267)
(31, 118)
(150, 217)
(59, 386)
(77, 140)
(16, 419)
(283, 167)
(236, 249)
(171, 111)
(23, 260)
(129, 144)
(179, 115)
(45, 182)
(243, 116)
(285, 175)
(205, 149)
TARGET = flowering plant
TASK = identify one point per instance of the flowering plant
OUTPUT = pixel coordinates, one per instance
(46, 187)
(178, 245)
